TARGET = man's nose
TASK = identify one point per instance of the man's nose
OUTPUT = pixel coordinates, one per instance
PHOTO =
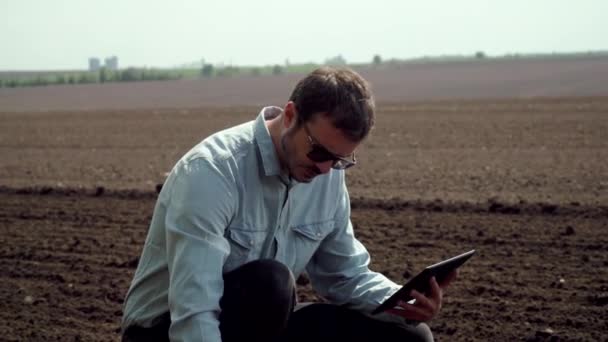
(324, 167)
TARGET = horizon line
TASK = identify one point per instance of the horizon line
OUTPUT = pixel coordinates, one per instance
(422, 58)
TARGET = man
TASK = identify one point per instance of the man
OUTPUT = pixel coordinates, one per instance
(252, 207)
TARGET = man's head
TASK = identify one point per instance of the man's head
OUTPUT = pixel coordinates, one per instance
(341, 95)
(329, 113)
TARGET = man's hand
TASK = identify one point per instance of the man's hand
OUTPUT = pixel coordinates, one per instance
(424, 308)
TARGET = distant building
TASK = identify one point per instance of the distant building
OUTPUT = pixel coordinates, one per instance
(94, 64)
(112, 63)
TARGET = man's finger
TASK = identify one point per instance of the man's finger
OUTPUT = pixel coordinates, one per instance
(450, 277)
(436, 292)
(422, 300)
(412, 312)
(423, 307)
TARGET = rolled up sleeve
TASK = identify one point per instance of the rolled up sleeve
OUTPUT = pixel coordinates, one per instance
(199, 209)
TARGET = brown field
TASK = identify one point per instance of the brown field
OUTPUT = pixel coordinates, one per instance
(505, 79)
(524, 181)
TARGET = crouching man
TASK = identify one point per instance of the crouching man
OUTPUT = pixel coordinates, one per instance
(251, 207)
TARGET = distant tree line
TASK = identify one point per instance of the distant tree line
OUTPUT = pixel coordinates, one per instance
(203, 69)
(210, 71)
(103, 75)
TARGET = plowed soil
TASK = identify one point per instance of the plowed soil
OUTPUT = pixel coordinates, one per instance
(525, 182)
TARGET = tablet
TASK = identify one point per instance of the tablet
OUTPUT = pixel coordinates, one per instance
(421, 282)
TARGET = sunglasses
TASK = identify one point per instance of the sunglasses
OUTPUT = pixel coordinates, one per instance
(320, 154)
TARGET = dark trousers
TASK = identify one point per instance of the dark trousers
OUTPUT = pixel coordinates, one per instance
(257, 305)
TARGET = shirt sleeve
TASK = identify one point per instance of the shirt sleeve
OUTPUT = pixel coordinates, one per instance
(200, 207)
(339, 269)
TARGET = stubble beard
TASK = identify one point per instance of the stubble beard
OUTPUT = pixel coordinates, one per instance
(289, 156)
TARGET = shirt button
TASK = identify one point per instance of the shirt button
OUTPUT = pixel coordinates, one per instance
(251, 242)
(318, 234)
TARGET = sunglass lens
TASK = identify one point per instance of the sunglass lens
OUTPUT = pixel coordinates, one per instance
(319, 154)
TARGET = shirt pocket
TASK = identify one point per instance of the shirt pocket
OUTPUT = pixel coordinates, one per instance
(245, 246)
(307, 238)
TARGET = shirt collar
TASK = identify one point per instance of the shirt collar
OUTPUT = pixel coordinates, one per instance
(270, 160)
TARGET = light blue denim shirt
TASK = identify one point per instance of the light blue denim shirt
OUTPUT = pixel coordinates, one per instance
(226, 202)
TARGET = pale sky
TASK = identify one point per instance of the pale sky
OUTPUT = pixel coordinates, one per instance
(63, 34)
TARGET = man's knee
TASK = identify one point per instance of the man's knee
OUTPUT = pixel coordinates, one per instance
(265, 286)
(261, 281)
(272, 274)
(275, 271)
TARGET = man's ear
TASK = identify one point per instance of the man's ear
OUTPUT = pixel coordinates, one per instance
(290, 116)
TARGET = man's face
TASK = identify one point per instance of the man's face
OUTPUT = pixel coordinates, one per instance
(317, 134)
